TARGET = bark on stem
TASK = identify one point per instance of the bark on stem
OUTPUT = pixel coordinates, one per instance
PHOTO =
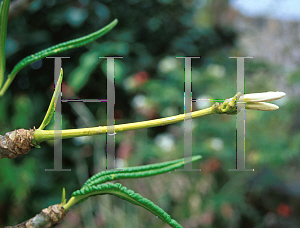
(47, 218)
(16, 143)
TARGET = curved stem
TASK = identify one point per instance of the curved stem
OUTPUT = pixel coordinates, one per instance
(44, 135)
(71, 202)
(6, 85)
(3, 30)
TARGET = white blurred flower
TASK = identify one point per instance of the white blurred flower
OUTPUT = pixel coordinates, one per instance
(217, 71)
(167, 64)
(129, 83)
(139, 101)
(120, 163)
(216, 144)
(165, 141)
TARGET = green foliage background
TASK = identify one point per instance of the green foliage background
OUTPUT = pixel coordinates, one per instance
(149, 83)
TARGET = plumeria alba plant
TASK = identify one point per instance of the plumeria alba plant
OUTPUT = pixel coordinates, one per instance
(19, 142)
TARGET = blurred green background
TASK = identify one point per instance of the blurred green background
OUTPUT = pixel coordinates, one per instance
(149, 84)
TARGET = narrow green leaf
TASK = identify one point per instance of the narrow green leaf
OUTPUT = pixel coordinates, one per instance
(63, 197)
(51, 108)
(56, 49)
(138, 171)
(128, 195)
(3, 31)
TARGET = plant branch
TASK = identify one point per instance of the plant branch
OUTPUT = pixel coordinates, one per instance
(44, 135)
(47, 218)
(21, 141)
(227, 107)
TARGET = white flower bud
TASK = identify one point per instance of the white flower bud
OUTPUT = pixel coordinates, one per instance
(262, 106)
(261, 97)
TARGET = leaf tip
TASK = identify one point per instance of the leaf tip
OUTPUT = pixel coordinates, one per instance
(63, 198)
(196, 158)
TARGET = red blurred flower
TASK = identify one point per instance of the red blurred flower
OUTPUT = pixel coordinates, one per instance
(141, 77)
(211, 165)
(284, 210)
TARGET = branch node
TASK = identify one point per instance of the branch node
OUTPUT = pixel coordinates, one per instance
(16, 143)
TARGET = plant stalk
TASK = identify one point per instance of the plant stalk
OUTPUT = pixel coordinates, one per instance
(47, 218)
(71, 202)
(44, 135)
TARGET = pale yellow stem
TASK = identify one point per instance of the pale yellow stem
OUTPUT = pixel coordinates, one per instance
(71, 202)
(43, 135)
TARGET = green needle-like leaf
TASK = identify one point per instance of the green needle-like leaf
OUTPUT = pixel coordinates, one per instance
(63, 197)
(56, 49)
(51, 108)
(93, 187)
(138, 171)
(3, 29)
(126, 194)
